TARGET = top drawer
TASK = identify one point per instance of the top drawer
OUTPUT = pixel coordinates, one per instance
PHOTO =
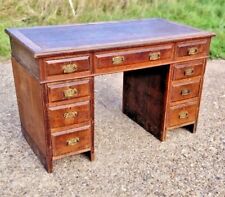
(67, 66)
(193, 48)
(112, 60)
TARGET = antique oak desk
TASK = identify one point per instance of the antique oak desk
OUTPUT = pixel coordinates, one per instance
(54, 68)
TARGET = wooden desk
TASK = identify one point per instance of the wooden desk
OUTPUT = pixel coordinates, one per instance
(54, 68)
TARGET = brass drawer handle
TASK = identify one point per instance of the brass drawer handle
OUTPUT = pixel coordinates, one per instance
(192, 51)
(183, 115)
(154, 56)
(70, 92)
(118, 60)
(69, 68)
(72, 141)
(185, 92)
(71, 114)
(189, 71)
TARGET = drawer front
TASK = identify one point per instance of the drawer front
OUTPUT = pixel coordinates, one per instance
(179, 115)
(185, 90)
(68, 90)
(67, 115)
(193, 48)
(75, 140)
(68, 66)
(188, 69)
(114, 59)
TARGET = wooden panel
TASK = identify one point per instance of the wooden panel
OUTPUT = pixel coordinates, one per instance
(188, 69)
(25, 59)
(111, 60)
(30, 104)
(68, 90)
(74, 140)
(66, 115)
(67, 66)
(185, 90)
(182, 114)
(192, 49)
(144, 97)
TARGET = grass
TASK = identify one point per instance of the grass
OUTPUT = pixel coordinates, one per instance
(204, 14)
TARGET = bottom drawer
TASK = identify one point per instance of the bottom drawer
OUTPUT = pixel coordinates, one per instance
(182, 114)
(74, 140)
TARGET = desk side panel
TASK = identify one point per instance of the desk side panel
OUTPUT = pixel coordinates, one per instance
(25, 58)
(31, 109)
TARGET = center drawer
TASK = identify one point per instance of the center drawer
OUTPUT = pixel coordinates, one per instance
(66, 115)
(111, 60)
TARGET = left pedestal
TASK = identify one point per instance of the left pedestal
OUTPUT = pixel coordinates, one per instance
(57, 118)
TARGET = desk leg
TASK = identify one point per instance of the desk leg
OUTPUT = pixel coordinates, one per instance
(92, 152)
(144, 97)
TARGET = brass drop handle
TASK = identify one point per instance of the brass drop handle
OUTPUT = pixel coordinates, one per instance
(189, 71)
(154, 56)
(118, 60)
(192, 51)
(183, 115)
(71, 114)
(70, 92)
(72, 141)
(69, 68)
(185, 92)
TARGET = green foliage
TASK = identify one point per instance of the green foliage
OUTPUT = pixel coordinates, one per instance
(204, 14)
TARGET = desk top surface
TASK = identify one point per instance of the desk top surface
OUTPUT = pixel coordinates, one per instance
(43, 40)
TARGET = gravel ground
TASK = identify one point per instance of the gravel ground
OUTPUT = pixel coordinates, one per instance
(129, 160)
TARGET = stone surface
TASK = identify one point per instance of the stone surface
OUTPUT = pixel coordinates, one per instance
(129, 160)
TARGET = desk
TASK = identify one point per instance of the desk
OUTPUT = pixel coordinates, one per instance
(54, 69)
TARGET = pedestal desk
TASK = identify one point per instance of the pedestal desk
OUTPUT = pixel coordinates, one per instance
(54, 68)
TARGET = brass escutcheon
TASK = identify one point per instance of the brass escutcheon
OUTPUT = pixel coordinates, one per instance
(185, 92)
(118, 59)
(71, 114)
(70, 92)
(154, 55)
(73, 141)
(69, 68)
(183, 114)
(192, 51)
(189, 71)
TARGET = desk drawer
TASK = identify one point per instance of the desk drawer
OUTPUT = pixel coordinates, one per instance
(193, 48)
(114, 59)
(74, 140)
(182, 114)
(67, 115)
(68, 66)
(185, 90)
(68, 90)
(188, 69)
